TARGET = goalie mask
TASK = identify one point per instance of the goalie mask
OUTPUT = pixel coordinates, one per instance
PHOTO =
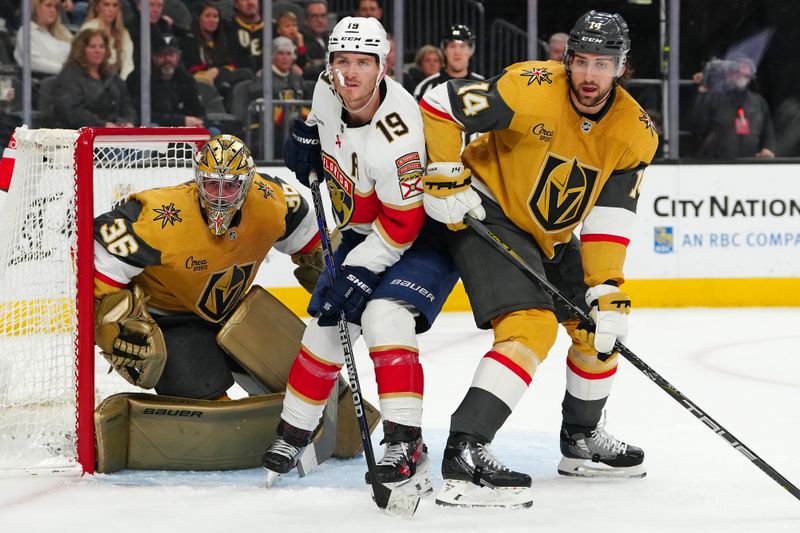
(223, 171)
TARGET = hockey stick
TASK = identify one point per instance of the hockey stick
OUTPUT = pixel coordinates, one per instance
(380, 492)
(654, 376)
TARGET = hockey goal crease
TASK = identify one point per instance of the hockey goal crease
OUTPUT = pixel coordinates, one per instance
(51, 376)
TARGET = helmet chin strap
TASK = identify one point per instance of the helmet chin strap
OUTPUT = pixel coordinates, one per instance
(343, 83)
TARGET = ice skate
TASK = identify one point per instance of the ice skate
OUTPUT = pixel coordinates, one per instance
(474, 477)
(285, 452)
(404, 466)
(599, 454)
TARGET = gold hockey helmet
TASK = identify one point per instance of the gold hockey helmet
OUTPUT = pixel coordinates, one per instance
(223, 170)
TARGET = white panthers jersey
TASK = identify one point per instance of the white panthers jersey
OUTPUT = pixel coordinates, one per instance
(374, 171)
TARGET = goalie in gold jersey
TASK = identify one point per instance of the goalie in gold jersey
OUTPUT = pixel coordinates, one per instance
(172, 266)
(564, 146)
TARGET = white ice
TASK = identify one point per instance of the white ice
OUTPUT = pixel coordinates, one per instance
(741, 366)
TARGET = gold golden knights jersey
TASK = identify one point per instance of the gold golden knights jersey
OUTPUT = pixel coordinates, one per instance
(548, 166)
(374, 172)
(159, 239)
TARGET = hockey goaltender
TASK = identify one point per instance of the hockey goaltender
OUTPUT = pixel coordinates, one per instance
(173, 313)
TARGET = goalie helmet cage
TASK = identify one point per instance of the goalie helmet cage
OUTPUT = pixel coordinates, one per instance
(62, 180)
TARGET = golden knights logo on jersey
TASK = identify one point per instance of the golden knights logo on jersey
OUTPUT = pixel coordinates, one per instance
(223, 291)
(562, 192)
(341, 188)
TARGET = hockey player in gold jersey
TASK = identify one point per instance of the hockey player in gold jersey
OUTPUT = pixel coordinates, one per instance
(564, 146)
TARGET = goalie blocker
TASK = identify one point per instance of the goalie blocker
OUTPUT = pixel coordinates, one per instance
(142, 431)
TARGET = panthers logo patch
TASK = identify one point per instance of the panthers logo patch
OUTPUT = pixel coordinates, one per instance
(341, 188)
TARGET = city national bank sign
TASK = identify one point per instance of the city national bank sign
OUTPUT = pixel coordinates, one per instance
(717, 221)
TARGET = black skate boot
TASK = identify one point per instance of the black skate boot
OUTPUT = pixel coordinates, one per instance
(474, 477)
(285, 452)
(405, 459)
(596, 453)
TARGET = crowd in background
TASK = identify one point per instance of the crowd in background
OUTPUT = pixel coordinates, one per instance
(206, 70)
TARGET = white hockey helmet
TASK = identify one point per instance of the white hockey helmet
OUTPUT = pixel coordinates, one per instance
(360, 35)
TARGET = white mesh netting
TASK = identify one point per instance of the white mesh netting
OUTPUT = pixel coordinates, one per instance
(38, 373)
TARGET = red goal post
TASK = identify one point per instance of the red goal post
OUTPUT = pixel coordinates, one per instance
(62, 180)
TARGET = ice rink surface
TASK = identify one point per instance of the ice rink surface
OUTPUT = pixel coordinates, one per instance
(741, 366)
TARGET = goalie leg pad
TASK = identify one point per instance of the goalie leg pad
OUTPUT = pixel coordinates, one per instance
(143, 431)
(263, 336)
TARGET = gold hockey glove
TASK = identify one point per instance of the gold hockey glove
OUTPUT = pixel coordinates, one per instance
(312, 264)
(449, 195)
(610, 308)
(129, 338)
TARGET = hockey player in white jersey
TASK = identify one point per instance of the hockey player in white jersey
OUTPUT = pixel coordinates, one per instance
(365, 135)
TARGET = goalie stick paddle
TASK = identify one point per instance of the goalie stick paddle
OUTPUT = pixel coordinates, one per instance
(643, 367)
(383, 495)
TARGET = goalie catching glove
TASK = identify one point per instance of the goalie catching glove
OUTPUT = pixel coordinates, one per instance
(610, 308)
(449, 195)
(129, 338)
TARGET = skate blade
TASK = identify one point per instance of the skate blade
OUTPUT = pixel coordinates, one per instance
(466, 494)
(587, 468)
(271, 477)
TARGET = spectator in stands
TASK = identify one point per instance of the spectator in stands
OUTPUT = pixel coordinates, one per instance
(368, 8)
(286, 26)
(458, 46)
(206, 54)
(106, 15)
(556, 46)
(50, 39)
(245, 34)
(286, 85)
(315, 34)
(88, 91)
(428, 61)
(728, 119)
(175, 99)
(160, 25)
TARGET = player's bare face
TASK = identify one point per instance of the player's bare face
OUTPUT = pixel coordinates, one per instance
(354, 77)
(457, 54)
(591, 79)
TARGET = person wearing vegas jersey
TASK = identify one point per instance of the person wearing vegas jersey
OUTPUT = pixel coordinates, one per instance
(565, 145)
(185, 255)
(365, 135)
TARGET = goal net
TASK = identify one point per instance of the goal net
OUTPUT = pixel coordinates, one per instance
(51, 375)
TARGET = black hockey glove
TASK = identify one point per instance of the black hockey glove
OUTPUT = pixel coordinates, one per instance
(350, 293)
(302, 151)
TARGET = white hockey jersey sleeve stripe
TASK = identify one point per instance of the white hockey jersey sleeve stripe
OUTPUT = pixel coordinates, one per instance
(437, 102)
(111, 267)
(615, 222)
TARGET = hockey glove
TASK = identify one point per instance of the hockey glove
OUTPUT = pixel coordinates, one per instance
(129, 338)
(609, 310)
(449, 195)
(302, 152)
(350, 293)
